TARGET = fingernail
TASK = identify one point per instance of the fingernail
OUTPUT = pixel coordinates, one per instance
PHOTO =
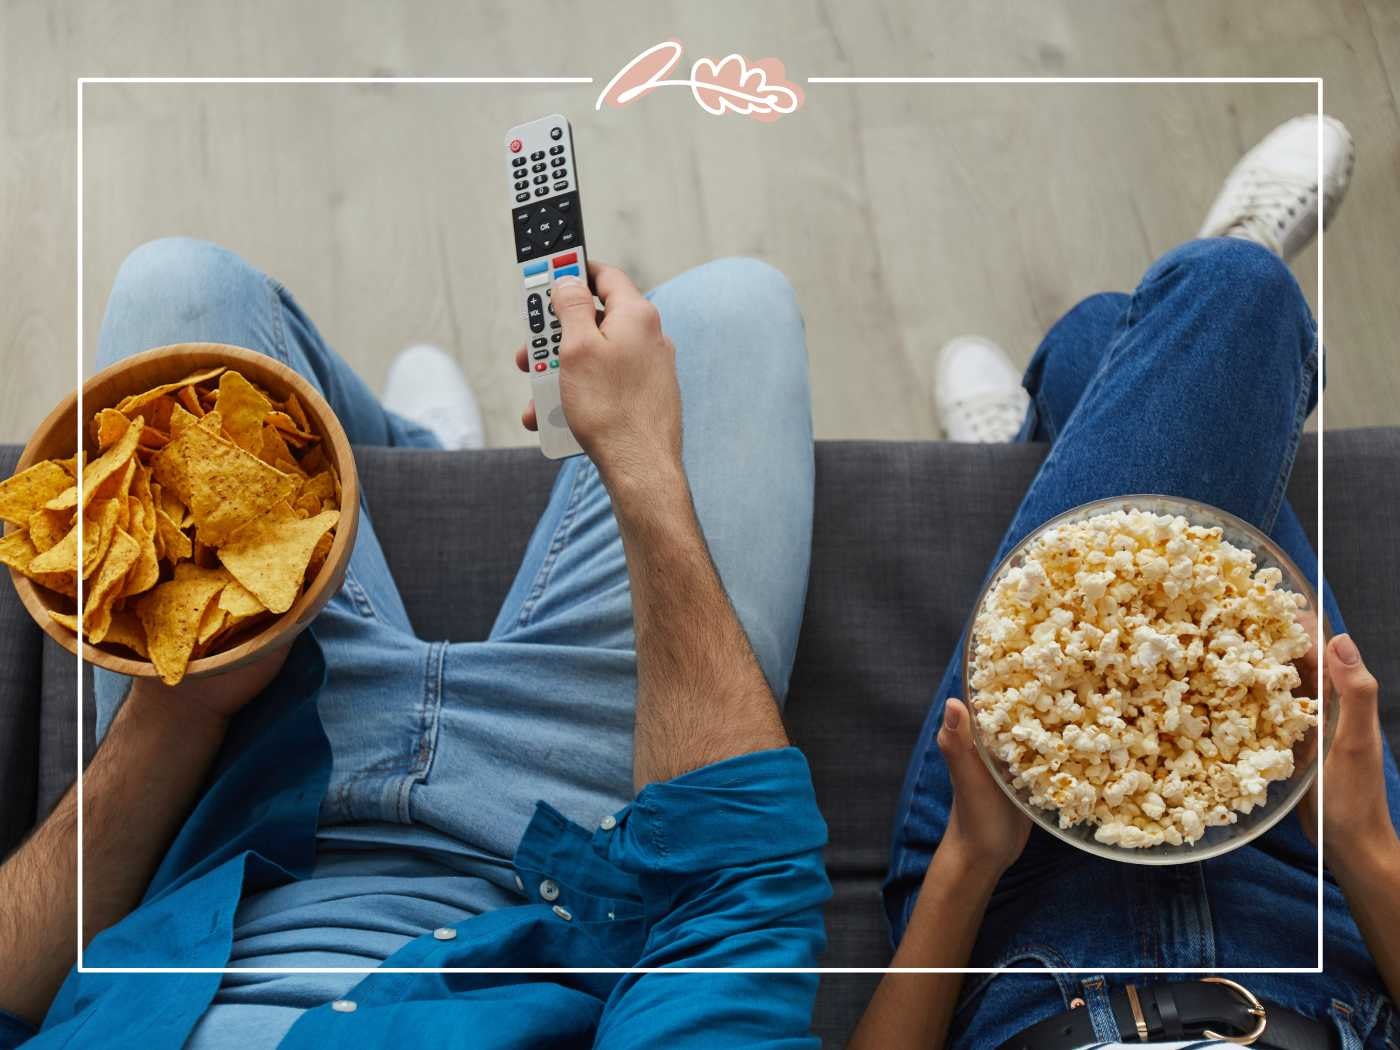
(951, 717)
(1346, 650)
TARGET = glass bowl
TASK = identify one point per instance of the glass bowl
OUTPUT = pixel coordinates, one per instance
(1283, 795)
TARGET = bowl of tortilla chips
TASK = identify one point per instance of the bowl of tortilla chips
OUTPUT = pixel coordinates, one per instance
(205, 514)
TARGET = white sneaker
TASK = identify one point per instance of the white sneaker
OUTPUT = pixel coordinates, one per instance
(979, 391)
(1271, 196)
(426, 387)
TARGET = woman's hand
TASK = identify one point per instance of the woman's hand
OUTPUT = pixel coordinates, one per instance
(1355, 819)
(213, 698)
(985, 827)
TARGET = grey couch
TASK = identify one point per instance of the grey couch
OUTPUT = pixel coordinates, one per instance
(903, 536)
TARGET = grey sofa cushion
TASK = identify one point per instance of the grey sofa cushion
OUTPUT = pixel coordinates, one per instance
(903, 534)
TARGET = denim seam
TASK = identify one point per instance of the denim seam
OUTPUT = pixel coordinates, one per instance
(556, 546)
(1300, 414)
(280, 343)
(429, 715)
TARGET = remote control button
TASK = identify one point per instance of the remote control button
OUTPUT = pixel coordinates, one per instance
(557, 162)
(551, 309)
(522, 216)
(539, 366)
(555, 337)
(556, 150)
(540, 355)
(554, 324)
(556, 133)
(517, 162)
(516, 145)
(538, 167)
(537, 155)
(564, 260)
(540, 180)
(541, 191)
(567, 238)
(566, 271)
(522, 197)
(534, 312)
(553, 362)
(560, 187)
(538, 341)
(522, 185)
(564, 207)
(537, 280)
(535, 267)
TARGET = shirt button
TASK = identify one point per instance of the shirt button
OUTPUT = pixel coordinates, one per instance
(345, 1006)
(563, 913)
(445, 933)
(549, 890)
(519, 883)
(608, 823)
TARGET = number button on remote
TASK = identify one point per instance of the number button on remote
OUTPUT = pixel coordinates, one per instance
(537, 155)
(556, 133)
(556, 150)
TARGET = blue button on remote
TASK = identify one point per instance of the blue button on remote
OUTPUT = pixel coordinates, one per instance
(567, 271)
(533, 268)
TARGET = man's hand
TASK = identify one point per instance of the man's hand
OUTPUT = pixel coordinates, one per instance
(1356, 819)
(617, 379)
(985, 828)
(216, 697)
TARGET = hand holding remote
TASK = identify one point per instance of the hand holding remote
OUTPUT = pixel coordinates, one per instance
(617, 379)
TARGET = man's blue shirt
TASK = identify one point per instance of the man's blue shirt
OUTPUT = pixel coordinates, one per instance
(720, 867)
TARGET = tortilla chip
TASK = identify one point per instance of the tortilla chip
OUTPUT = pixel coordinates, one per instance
(99, 524)
(315, 460)
(176, 545)
(30, 489)
(151, 438)
(146, 572)
(170, 616)
(290, 430)
(180, 421)
(71, 464)
(128, 405)
(47, 527)
(292, 406)
(318, 557)
(239, 602)
(106, 589)
(16, 550)
(223, 486)
(126, 630)
(186, 396)
(243, 407)
(269, 555)
(112, 463)
(109, 425)
(212, 622)
(68, 620)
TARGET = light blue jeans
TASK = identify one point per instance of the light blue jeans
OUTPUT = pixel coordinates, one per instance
(444, 745)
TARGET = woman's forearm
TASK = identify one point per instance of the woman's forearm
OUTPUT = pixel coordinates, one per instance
(1370, 878)
(914, 1010)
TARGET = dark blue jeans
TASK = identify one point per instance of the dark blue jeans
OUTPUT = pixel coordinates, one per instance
(1196, 385)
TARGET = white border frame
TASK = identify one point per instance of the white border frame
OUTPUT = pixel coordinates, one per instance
(83, 81)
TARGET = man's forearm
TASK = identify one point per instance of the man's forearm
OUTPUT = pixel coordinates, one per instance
(1371, 881)
(701, 696)
(913, 1010)
(136, 793)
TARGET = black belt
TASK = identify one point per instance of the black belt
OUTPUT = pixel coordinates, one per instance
(1209, 1008)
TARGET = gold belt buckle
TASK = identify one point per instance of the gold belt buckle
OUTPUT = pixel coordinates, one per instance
(1256, 1009)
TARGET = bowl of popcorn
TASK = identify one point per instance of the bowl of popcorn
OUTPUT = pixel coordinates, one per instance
(1131, 672)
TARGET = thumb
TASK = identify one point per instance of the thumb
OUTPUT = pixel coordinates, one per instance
(1357, 689)
(573, 305)
(955, 737)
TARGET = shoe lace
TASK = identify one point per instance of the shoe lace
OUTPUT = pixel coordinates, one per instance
(1271, 200)
(993, 417)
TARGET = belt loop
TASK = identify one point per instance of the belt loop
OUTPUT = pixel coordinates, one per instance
(1100, 1007)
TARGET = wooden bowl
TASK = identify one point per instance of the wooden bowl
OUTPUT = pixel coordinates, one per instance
(57, 438)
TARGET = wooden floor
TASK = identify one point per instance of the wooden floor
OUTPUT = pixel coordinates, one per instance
(903, 215)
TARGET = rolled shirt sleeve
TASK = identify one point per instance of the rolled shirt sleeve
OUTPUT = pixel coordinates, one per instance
(729, 862)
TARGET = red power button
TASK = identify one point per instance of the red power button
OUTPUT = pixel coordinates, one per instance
(515, 145)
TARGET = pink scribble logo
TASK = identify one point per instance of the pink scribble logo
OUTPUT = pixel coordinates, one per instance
(733, 84)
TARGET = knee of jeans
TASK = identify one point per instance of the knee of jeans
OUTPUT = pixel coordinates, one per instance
(745, 293)
(182, 277)
(1237, 269)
